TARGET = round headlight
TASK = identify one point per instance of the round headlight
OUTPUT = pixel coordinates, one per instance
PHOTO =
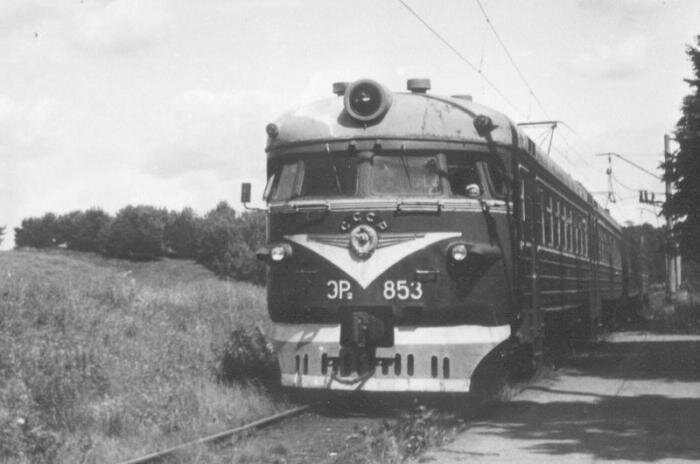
(366, 100)
(278, 253)
(458, 252)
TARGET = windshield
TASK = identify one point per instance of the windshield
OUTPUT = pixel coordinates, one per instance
(405, 175)
(316, 177)
(457, 174)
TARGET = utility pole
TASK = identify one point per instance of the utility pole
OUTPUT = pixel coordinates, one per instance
(673, 257)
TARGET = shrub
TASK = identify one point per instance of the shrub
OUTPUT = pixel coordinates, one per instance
(85, 229)
(221, 245)
(136, 233)
(221, 241)
(180, 234)
(38, 232)
(246, 356)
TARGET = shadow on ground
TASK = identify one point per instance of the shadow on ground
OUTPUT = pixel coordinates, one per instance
(642, 428)
(668, 361)
(661, 421)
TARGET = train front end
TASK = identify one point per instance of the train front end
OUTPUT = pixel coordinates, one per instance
(388, 240)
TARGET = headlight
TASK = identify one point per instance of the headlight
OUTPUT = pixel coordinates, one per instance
(280, 252)
(458, 252)
(366, 100)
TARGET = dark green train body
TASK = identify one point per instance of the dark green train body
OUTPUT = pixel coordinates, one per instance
(410, 235)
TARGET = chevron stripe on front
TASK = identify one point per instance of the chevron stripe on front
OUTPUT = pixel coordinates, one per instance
(364, 272)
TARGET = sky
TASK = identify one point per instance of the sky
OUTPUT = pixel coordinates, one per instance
(165, 102)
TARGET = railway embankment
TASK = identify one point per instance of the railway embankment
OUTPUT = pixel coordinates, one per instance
(102, 359)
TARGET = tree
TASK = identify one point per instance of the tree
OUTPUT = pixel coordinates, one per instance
(222, 244)
(38, 232)
(180, 234)
(683, 168)
(84, 229)
(135, 233)
(648, 241)
(2, 233)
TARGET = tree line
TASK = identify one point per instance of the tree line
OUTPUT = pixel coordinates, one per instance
(220, 240)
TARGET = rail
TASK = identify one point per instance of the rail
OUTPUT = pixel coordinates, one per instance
(218, 436)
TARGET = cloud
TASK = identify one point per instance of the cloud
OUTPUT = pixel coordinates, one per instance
(120, 27)
(212, 131)
(27, 129)
(627, 59)
(22, 16)
(632, 11)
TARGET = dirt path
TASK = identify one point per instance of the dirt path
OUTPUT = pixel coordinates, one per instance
(636, 398)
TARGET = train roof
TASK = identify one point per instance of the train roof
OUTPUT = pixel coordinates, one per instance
(412, 116)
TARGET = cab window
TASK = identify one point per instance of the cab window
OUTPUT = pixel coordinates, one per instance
(405, 175)
(498, 179)
(463, 176)
(313, 177)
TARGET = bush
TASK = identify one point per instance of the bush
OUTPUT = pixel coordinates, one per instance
(180, 234)
(225, 244)
(246, 356)
(40, 232)
(86, 228)
(221, 241)
(136, 233)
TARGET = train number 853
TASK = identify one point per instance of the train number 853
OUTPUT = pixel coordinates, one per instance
(402, 289)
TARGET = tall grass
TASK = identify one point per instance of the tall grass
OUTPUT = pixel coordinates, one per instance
(101, 360)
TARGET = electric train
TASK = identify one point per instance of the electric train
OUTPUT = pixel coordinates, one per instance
(412, 235)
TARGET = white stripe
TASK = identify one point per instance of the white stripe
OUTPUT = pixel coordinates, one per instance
(364, 272)
(451, 335)
(378, 384)
(383, 204)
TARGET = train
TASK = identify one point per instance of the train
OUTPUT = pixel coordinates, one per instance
(411, 236)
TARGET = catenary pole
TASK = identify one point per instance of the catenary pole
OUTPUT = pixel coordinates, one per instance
(673, 257)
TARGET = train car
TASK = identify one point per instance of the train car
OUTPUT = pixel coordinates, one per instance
(410, 235)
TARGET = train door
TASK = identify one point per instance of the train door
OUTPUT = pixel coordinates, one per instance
(527, 259)
(595, 302)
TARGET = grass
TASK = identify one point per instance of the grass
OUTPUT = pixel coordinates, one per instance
(102, 360)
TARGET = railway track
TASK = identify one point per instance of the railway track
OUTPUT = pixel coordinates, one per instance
(312, 433)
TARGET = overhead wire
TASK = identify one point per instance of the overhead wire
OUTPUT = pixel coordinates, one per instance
(623, 185)
(532, 96)
(462, 57)
(512, 60)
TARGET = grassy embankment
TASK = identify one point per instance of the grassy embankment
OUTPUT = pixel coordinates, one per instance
(102, 360)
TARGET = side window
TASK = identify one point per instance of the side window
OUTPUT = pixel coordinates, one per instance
(526, 203)
(540, 216)
(463, 173)
(523, 210)
(286, 181)
(498, 178)
(565, 228)
(548, 221)
(557, 224)
(570, 230)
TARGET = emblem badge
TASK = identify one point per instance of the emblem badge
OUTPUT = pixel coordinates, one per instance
(363, 241)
